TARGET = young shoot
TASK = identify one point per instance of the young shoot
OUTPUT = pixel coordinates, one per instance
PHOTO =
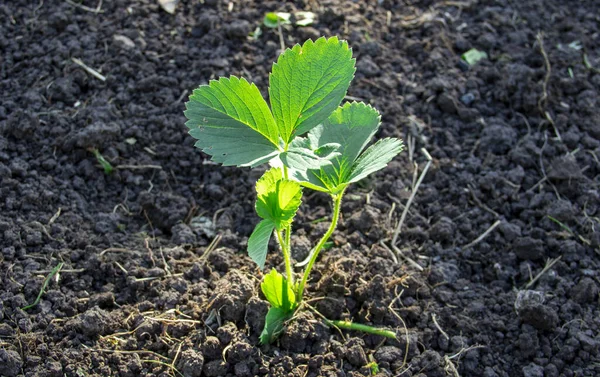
(310, 142)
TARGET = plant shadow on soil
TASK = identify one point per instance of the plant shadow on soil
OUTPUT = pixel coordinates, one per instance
(155, 281)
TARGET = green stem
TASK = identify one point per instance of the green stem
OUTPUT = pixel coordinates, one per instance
(288, 244)
(285, 172)
(337, 204)
(286, 256)
(347, 325)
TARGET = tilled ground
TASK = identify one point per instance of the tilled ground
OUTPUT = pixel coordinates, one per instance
(153, 276)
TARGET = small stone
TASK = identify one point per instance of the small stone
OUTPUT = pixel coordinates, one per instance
(446, 103)
(527, 298)
(467, 98)
(123, 42)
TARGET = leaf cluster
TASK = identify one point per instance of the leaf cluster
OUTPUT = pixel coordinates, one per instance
(304, 134)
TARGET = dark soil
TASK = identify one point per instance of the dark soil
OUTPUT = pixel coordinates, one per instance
(141, 292)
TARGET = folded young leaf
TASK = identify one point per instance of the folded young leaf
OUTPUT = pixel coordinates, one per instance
(307, 83)
(274, 321)
(277, 199)
(232, 122)
(278, 292)
(258, 243)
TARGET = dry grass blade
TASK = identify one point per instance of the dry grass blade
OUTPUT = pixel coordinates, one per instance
(412, 196)
(89, 70)
(549, 264)
(483, 235)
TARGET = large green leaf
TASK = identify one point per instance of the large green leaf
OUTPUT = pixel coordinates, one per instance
(258, 243)
(232, 122)
(352, 126)
(307, 83)
(277, 199)
(274, 321)
(278, 292)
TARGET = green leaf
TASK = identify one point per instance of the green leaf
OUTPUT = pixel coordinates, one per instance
(274, 321)
(301, 155)
(375, 158)
(232, 122)
(277, 199)
(272, 19)
(278, 292)
(258, 243)
(268, 180)
(307, 83)
(473, 56)
(352, 126)
(102, 161)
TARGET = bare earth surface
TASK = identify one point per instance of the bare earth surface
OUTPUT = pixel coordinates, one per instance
(154, 278)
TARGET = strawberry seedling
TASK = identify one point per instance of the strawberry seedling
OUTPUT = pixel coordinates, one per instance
(307, 138)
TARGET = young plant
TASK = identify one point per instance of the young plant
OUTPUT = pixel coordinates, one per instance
(308, 139)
